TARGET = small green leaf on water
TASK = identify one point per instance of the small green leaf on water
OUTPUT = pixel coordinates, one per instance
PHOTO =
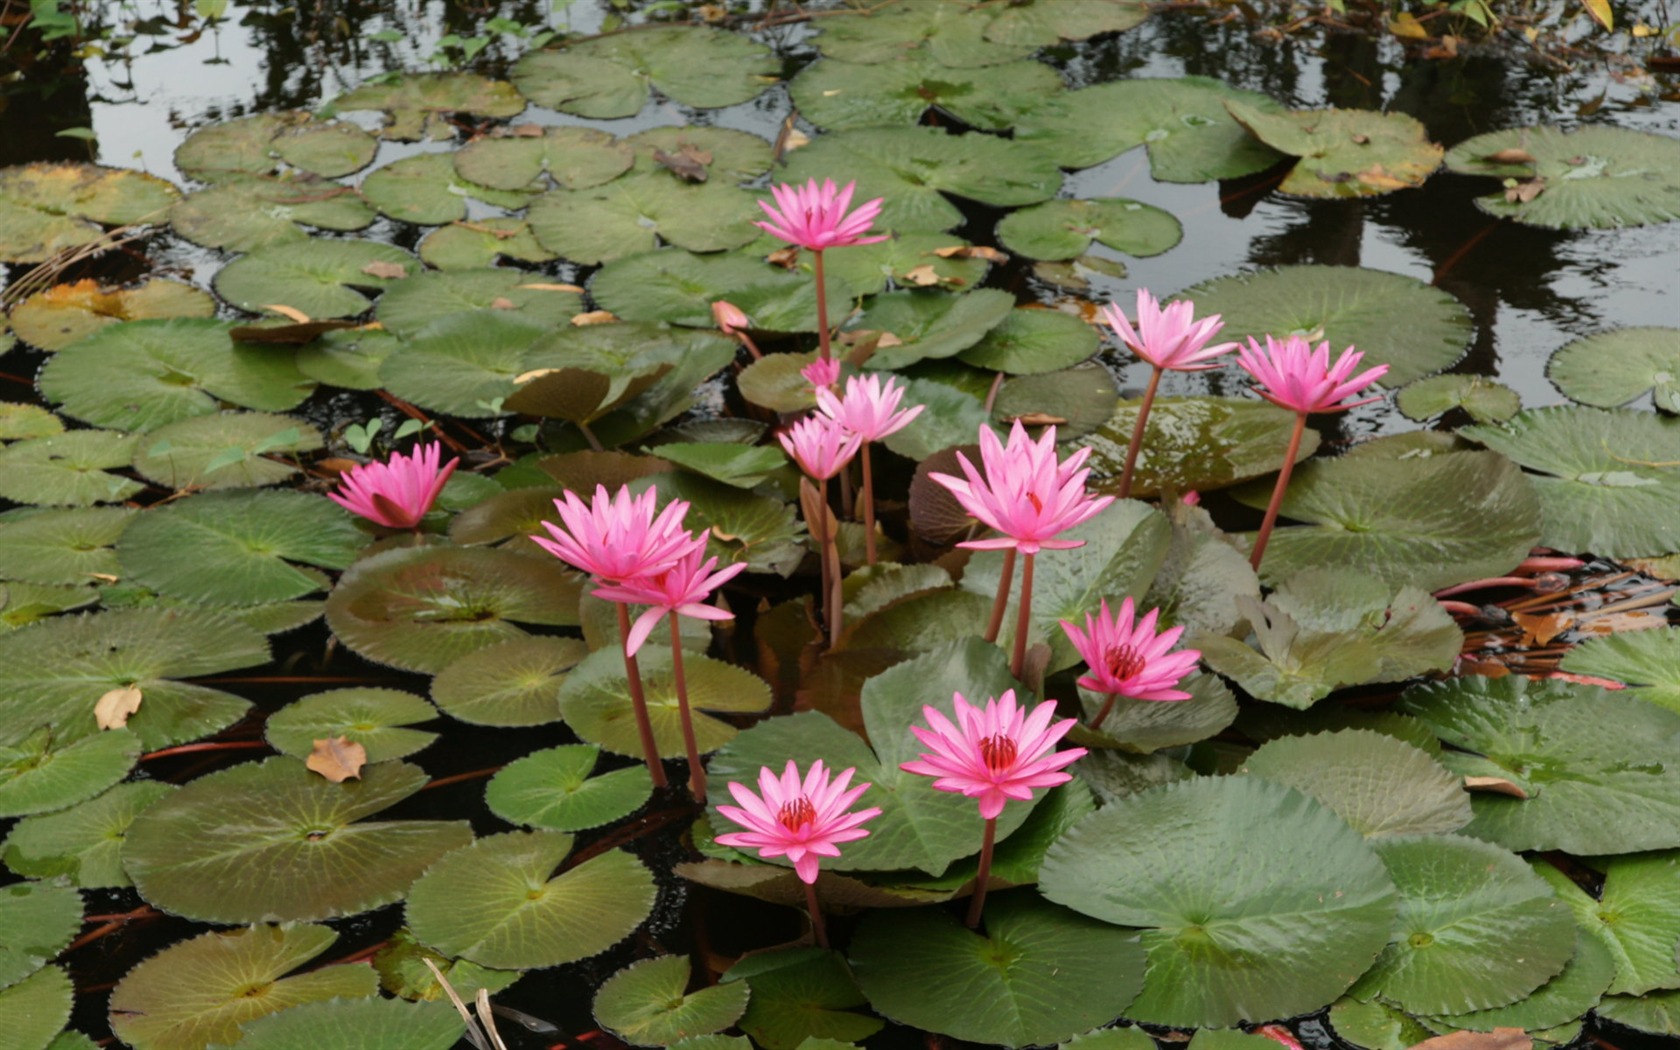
(645, 1003)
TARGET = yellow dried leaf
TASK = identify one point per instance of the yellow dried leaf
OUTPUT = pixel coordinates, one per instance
(537, 373)
(1497, 785)
(111, 711)
(922, 275)
(387, 270)
(972, 251)
(1600, 12)
(338, 759)
(594, 317)
(1510, 156)
(551, 287)
(1039, 419)
(526, 131)
(795, 139)
(1407, 27)
(503, 303)
(1540, 630)
(287, 311)
(1379, 177)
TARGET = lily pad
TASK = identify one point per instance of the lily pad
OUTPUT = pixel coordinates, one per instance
(580, 374)
(403, 972)
(609, 76)
(1202, 576)
(354, 1024)
(723, 153)
(1658, 1013)
(1065, 229)
(741, 466)
(318, 277)
(199, 991)
(513, 158)
(837, 95)
(931, 324)
(463, 363)
(1041, 23)
(595, 700)
(37, 921)
(36, 1008)
(1077, 400)
(423, 608)
(647, 1003)
(20, 422)
(1190, 134)
(800, 994)
(760, 530)
(139, 375)
(946, 33)
(228, 450)
(1395, 320)
(271, 841)
(1647, 660)
(951, 418)
(1614, 367)
(40, 773)
(425, 189)
(347, 358)
(1030, 342)
(1485, 400)
(1607, 479)
(248, 214)
(634, 213)
(496, 904)
(417, 105)
(61, 547)
(1146, 726)
(374, 718)
(67, 313)
(1195, 444)
(1227, 939)
(1380, 785)
(1635, 919)
(68, 469)
(82, 843)
(256, 145)
(1564, 999)
(48, 208)
(1379, 517)
(1594, 177)
(1038, 974)
(1344, 152)
(1596, 765)
(478, 244)
(413, 304)
(553, 789)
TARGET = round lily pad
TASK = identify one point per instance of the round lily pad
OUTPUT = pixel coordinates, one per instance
(198, 991)
(1594, 177)
(513, 158)
(227, 450)
(139, 375)
(1195, 444)
(19, 422)
(317, 277)
(61, 547)
(37, 921)
(1615, 367)
(553, 789)
(1649, 661)
(1344, 152)
(1395, 320)
(948, 34)
(1380, 785)
(1482, 399)
(40, 774)
(65, 313)
(256, 144)
(644, 1004)
(498, 902)
(609, 76)
(801, 994)
(82, 843)
(47, 208)
(836, 94)
(426, 297)
(1635, 918)
(374, 718)
(1561, 1000)
(270, 840)
(421, 609)
(68, 469)
(722, 153)
(354, 1024)
(464, 363)
(246, 214)
(1045, 22)
(1064, 229)
(403, 972)
(634, 213)
(1076, 400)
(347, 358)
(418, 105)
(426, 190)
(928, 324)
(511, 683)
(36, 1008)
(595, 700)
(477, 245)
(679, 287)
(1145, 726)
(1227, 939)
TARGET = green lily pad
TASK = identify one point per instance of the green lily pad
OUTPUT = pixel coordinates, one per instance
(912, 167)
(1078, 399)
(1606, 479)
(951, 418)
(946, 33)
(1477, 929)
(247, 214)
(1038, 974)
(931, 324)
(417, 105)
(1647, 660)
(1202, 576)
(1195, 444)
(580, 374)
(413, 304)
(1395, 320)
(1227, 939)
(595, 701)
(354, 1024)
(40, 774)
(318, 276)
(1031, 342)
(635, 212)
(61, 547)
(373, 718)
(760, 530)
(742, 466)
(1379, 518)
(68, 469)
(36, 1008)
(800, 994)
(837, 95)
(425, 189)
(82, 843)
(478, 244)
(513, 158)
(403, 972)
(1145, 726)
(228, 450)
(347, 358)
(1375, 1025)
(553, 789)
(724, 153)
(1564, 999)
(1594, 177)
(1486, 401)
(423, 608)
(1040, 23)
(1344, 152)
(199, 991)
(66, 313)
(257, 144)
(271, 840)
(48, 208)
(1658, 1013)
(1595, 764)
(646, 1003)
(1190, 134)
(1380, 785)
(37, 921)
(495, 903)
(21, 422)
(1065, 229)
(237, 548)
(463, 363)
(609, 76)
(679, 287)
(1615, 367)
(1635, 919)
(139, 375)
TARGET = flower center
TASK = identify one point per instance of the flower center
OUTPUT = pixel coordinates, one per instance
(1123, 661)
(998, 751)
(797, 813)
(1037, 504)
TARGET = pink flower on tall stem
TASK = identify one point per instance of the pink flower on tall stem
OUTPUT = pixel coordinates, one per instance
(800, 820)
(680, 590)
(822, 448)
(732, 321)
(1129, 659)
(398, 492)
(869, 410)
(1292, 374)
(822, 373)
(1170, 339)
(614, 539)
(1030, 497)
(816, 218)
(993, 754)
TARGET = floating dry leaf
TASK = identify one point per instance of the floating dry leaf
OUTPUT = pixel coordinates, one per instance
(1497, 785)
(111, 711)
(972, 251)
(1498, 1039)
(594, 317)
(1407, 27)
(689, 163)
(1510, 156)
(338, 759)
(385, 270)
(1523, 192)
(287, 311)
(539, 287)
(286, 334)
(503, 303)
(922, 275)
(1541, 629)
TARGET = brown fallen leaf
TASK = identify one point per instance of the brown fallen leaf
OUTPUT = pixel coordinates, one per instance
(1510, 156)
(1378, 176)
(502, 302)
(1361, 140)
(338, 759)
(1498, 1039)
(111, 711)
(972, 251)
(526, 131)
(921, 275)
(786, 258)
(337, 464)
(795, 139)
(1447, 48)
(1496, 785)
(1485, 668)
(286, 334)
(594, 317)
(1406, 26)
(689, 162)
(539, 287)
(1038, 419)
(1523, 192)
(287, 311)
(389, 271)
(1541, 629)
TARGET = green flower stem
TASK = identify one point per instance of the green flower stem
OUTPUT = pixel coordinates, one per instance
(1001, 602)
(817, 929)
(1277, 493)
(1137, 434)
(638, 701)
(823, 351)
(696, 772)
(1023, 613)
(977, 903)
(868, 507)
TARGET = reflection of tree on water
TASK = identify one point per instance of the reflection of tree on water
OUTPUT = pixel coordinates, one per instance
(43, 91)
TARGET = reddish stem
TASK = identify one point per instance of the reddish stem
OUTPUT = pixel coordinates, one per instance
(696, 772)
(461, 778)
(984, 875)
(1108, 705)
(822, 550)
(1277, 493)
(638, 700)
(817, 929)
(1023, 614)
(1137, 433)
(207, 745)
(1001, 602)
(868, 507)
(823, 351)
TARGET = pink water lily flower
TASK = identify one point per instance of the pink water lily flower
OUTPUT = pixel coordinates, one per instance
(619, 537)
(1127, 658)
(682, 589)
(729, 317)
(797, 819)
(869, 408)
(995, 753)
(398, 492)
(815, 217)
(1292, 374)
(1169, 337)
(1025, 493)
(822, 373)
(820, 445)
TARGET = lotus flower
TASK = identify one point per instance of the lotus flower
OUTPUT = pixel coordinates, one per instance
(870, 411)
(398, 492)
(729, 317)
(797, 819)
(1128, 659)
(681, 590)
(815, 217)
(822, 373)
(820, 445)
(619, 538)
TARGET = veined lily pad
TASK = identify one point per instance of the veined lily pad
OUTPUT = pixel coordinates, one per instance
(463, 363)
(318, 277)
(1044, 22)
(1077, 400)
(82, 843)
(595, 700)
(477, 245)
(514, 158)
(1064, 229)
(1597, 766)
(836, 94)
(1607, 479)
(417, 104)
(37, 921)
(1614, 367)
(553, 789)
(1595, 177)
(725, 154)
(1195, 444)
(377, 719)
(581, 373)
(347, 358)
(68, 469)
(1190, 134)
(910, 167)
(1147, 726)
(426, 190)
(20, 422)
(40, 773)
(1562, 1000)
(247, 214)
(1380, 785)
(61, 547)
(1635, 919)
(354, 1024)
(1376, 1025)
(1486, 401)
(227, 450)
(679, 287)
(740, 466)
(139, 375)
(800, 994)
(37, 1007)
(403, 972)
(952, 417)
(645, 1003)
(257, 144)
(1392, 319)
(1202, 576)
(762, 531)
(931, 324)
(413, 304)
(47, 208)
(942, 32)
(1228, 941)
(1344, 152)
(1647, 660)
(1657, 1013)
(609, 76)
(633, 213)
(495, 903)
(1378, 517)
(199, 991)
(267, 841)
(66, 313)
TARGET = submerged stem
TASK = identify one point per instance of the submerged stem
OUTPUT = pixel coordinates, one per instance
(1277, 493)
(817, 929)
(696, 772)
(1137, 434)
(638, 700)
(1023, 614)
(1001, 602)
(978, 902)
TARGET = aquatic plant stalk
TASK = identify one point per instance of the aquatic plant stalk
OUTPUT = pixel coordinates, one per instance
(869, 411)
(818, 930)
(1276, 501)
(1137, 433)
(638, 701)
(1000, 604)
(696, 771)
(1023, 618)
(824, 351)
(983, 875)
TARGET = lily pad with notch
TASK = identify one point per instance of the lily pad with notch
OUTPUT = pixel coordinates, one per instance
(68, 469)
(227, 450)
(1380, 785)
(417, 105)
(513, 158)
(609, 76)
(82, 843)
(1593, 177)
(1648, 661)
(426, 190)
(69, 547)
(836, 94)
(1615, 367)
(1030, 342)
(1195, 444)
(478, 244)
(66, 313)
(511, 683)
(317, 277)
(377, 719)
(1562, 1001)
(41, 772)
(554, 789)
(1344, 152)
(463, 363)
(368, 1023)
(1483, 399)
(37, 921)
(413, 304)
(48, 208)
(348, 358)
(595, 700)
(248, 213)
(635, 212)
(258, 144)
(1065, 229)
(580, 374)
(1075, 400)
(799, 994)
(648, 1003)
(928, 324)
(1635, 919)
